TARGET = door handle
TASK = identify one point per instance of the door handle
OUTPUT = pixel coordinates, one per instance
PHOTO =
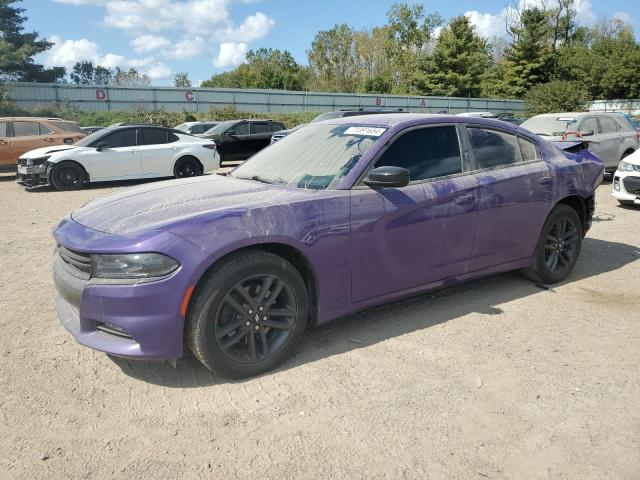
(465, 200)
(545, 181)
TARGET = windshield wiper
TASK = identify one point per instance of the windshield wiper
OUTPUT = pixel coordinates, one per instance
(260, 179)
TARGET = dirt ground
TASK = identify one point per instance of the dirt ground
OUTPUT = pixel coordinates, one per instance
(495, 379)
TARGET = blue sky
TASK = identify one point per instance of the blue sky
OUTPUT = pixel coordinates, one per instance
(203, 37)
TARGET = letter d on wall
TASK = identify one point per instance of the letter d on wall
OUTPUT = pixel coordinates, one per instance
(101, 94)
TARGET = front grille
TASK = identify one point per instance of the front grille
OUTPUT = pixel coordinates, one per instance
(632, 185)
(80, 262)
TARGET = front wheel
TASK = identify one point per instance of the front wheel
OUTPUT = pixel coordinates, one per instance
(248, 315)
(68, 176)
(558, 247)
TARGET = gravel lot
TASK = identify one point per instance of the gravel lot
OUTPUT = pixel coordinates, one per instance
(497, 379)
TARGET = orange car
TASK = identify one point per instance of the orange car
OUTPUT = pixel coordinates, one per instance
(21, 134)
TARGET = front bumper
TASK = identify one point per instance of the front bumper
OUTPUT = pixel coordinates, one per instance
(32, 176)
(137, 320)
(626, 186)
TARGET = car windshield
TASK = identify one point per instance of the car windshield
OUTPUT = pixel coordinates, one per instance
(326, 116)
(182, 127)
(315, 157)
(548, 126)
(220, 128)
(86, 141)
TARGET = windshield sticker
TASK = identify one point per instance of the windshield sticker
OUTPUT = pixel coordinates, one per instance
(366, 131)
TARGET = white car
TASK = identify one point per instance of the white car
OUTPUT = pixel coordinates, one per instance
(626, 180)
(118, 153)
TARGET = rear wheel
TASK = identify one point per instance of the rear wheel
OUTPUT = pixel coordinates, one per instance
(68, 176)
(248, 315)
(187, 167)
(558, 247)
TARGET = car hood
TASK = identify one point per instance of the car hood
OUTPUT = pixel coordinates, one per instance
(41, 152)
(160, 205)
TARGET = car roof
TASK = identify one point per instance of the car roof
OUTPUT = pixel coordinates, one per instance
(54, 119)
(403, 120)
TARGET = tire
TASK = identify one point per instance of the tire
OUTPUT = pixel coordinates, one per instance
(187, 167)
(67, 176)
(558, 247)
(226, 329)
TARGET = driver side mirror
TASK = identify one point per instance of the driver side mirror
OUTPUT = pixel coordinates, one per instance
(101, 146)
(388, 177)
(587, 133)
(231, 133)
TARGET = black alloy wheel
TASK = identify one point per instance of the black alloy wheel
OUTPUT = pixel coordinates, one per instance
(558, 247)
(187, 167)
(255, 318)
(68, 176)
(247, 314)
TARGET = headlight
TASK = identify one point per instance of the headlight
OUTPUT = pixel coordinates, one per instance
(132, 265)
(33, 162)
(628, 167)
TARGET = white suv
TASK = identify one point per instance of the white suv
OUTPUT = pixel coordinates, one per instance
(626, 180)
(118, 153)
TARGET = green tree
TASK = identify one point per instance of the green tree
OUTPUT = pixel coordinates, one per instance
(411, 31)
(17, 49)
(85, 72)
(529, 59)
(333, 60)
(181, 79)
(556, 96)
(130, 78)
(458, 63)
(263, 68)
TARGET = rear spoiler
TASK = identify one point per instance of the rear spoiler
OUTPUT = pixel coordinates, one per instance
(572, 146)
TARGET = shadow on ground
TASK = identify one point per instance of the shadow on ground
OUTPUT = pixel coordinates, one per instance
(372, 326)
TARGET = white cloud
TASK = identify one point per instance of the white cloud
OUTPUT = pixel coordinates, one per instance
(252, 28)
(149, 43)
(66, 53)
(186, 48)
(231, 54)
(494, 24)
(158, 71)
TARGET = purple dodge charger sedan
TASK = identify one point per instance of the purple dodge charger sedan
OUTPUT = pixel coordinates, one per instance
(336, 217)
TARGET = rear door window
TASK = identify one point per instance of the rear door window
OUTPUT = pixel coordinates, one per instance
(25, 129)
(608, 125)
(425, 152)
(493, 148)
(4, 129)
(258, 128)
(121, 138)
(66, 126)
(154, 136)
(528, 150)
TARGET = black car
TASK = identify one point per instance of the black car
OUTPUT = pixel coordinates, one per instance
(338, 114)
(240, 139)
